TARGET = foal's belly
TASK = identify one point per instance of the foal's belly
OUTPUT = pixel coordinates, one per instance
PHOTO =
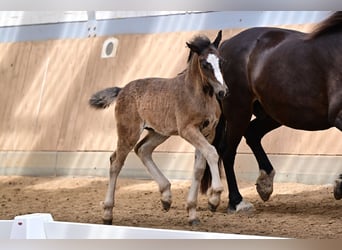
(164, 126)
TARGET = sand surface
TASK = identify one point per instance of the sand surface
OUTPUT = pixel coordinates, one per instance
(294, 210)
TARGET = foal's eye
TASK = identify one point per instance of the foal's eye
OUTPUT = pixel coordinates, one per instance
(206, 65)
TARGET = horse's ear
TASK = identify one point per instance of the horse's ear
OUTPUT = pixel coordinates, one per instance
(193, 48)
(218, 39)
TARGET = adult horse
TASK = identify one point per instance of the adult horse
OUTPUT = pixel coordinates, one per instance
(185, 105)
(283, 77)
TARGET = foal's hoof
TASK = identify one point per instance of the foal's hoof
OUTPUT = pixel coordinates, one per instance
(264, 185)
(166, 205)
(107, 222)
(338, 189)
(194, 222)
(212, 207)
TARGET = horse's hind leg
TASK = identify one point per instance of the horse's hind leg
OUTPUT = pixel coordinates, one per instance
(144, 150)
(338, 181)
(259, 127)
(338, 188)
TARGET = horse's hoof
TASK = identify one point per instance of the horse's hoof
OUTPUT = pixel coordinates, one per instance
(194, 222)
(264, 195)
(166, 205)
(107, 222)
(212, 207)
(264, 185)
(242, 207)
(338, 189)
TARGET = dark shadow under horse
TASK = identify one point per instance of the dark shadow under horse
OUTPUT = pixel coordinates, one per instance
(283, 77)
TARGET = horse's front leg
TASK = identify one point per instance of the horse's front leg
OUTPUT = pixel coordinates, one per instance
(255, 132)
(231, 137)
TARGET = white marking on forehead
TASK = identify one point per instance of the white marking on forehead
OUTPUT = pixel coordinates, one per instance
(214, 61)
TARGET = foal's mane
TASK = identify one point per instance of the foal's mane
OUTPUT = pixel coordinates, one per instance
(201, 42)
(330, 25)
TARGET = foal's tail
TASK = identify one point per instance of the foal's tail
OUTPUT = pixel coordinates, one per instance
(219, 145)
(103, 98)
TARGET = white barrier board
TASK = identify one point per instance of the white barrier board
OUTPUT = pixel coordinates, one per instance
(42, 226)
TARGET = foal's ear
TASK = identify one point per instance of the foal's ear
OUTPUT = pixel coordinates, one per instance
(193, 48)
(218, 39)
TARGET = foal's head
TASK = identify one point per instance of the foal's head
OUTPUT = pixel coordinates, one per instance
(208, 61)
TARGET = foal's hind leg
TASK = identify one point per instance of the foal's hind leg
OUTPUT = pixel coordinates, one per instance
(259, 127)
(117, 160)
(144, 150)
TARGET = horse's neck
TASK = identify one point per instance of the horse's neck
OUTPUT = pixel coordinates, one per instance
(329, 47)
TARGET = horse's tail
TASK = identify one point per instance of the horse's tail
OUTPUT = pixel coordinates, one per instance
(219, 145)
(103, 98)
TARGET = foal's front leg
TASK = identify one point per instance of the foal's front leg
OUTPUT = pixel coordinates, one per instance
(199, 168)
(204, 152)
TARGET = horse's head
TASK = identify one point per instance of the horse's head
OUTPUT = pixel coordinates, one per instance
(208, 62)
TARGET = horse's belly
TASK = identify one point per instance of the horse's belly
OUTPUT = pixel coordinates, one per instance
(296, 104)
(307, 125)
(298, 117)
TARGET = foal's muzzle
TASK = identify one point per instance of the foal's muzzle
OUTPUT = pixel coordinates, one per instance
(221, 94)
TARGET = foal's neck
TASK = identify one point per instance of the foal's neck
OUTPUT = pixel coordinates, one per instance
(194, 79)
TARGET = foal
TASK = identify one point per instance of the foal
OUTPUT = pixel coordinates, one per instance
(185, 105)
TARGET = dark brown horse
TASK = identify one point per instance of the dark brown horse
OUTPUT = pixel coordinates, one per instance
(185, 105)
(283, 77)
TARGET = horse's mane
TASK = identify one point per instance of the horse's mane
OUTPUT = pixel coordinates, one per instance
(330, 25)
(201, 42)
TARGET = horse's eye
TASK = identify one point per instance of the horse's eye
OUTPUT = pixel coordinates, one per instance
(222, 62)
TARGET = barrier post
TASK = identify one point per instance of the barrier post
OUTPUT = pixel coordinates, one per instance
(30, 226)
